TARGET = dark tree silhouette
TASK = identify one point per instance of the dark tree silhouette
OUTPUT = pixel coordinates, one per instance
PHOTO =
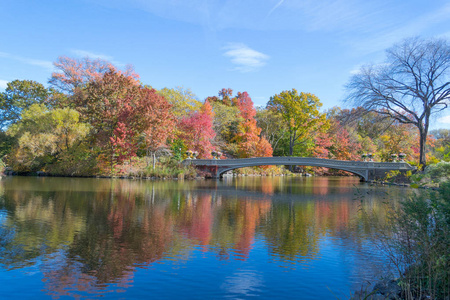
(409, 87)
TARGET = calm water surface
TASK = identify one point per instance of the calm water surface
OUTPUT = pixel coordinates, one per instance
(299, 238)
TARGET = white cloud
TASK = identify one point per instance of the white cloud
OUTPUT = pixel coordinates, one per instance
(244, 58)
(3, 84)
(355, 71)
(444, 119)
(84, 53)
(29, 61)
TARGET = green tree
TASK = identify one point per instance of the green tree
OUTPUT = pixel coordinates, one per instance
(19, 95)
(42, 135)
(273, 128)
(300, 113)
(226, 125)
(442, 144)
(183, 101)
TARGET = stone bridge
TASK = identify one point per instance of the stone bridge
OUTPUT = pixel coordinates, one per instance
(367, 170)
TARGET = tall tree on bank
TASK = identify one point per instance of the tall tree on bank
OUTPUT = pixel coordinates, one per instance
(74, 73)
(18, 96)
(249, 139)
(273, 128)
(300, 113)
(120, 111)
(409, 87)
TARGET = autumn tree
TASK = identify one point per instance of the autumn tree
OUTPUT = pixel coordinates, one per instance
(442, 146)
(410, 86)
(43, 135)
(237, 131)
(183, 101)
(300, 113)
(120, 110)
(225, 123)
(399, 138)
(273, 128)
(249, 139)
(156, 121)
(196, 131)
(75, 73)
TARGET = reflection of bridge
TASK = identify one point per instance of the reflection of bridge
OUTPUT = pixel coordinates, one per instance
(366, 170)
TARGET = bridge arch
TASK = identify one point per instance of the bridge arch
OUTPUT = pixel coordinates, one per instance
(361, 174)
(366, 170)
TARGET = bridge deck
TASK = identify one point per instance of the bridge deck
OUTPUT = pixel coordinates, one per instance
(361, 168)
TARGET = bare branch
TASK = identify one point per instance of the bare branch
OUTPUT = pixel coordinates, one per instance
(411, 85)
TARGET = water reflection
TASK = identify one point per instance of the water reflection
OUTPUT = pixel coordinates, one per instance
(87, 235)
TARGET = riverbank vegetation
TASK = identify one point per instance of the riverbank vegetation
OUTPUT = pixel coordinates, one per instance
(95, 119)
(416, 239)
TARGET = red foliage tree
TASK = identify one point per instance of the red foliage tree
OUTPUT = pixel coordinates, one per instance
(197, 132)
(122, 147)
(337, 143)
(245, 105)
(116, 98)
(155, 120)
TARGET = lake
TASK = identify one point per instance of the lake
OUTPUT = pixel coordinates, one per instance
(237, 238)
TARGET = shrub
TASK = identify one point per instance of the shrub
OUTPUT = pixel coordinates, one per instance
(417, 241)
(439, 171)
(2, 166)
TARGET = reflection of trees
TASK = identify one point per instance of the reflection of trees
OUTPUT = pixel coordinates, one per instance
(195, 218)
(235, 225)
(291, 232)
(92, 233)
(122, 231)
(36, 224)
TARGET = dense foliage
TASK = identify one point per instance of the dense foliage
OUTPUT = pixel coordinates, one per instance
(98, 119)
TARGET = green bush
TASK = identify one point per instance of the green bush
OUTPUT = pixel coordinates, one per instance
(420, 243)
(2, 166)
(433, 175)
(439, 171)
(169, 168)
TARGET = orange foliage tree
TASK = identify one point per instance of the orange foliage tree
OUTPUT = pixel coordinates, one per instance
(243, 134)
(249, 139)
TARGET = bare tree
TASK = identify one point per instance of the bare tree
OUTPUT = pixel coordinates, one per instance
(409, 87)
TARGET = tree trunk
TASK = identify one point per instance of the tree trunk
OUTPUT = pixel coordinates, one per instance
(154, 159)
(112, 159)
(423, 130)
(291, 149)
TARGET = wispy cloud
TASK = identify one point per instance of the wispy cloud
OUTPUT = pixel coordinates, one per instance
(275, 7)
(3, 84)
(445, 119)
(29, 61)
(244, 58)
(396, 31)
(84, 53)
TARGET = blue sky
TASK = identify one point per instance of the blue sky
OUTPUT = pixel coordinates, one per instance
(259, 46)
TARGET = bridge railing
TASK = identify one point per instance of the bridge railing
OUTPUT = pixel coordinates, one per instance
(283, 160)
